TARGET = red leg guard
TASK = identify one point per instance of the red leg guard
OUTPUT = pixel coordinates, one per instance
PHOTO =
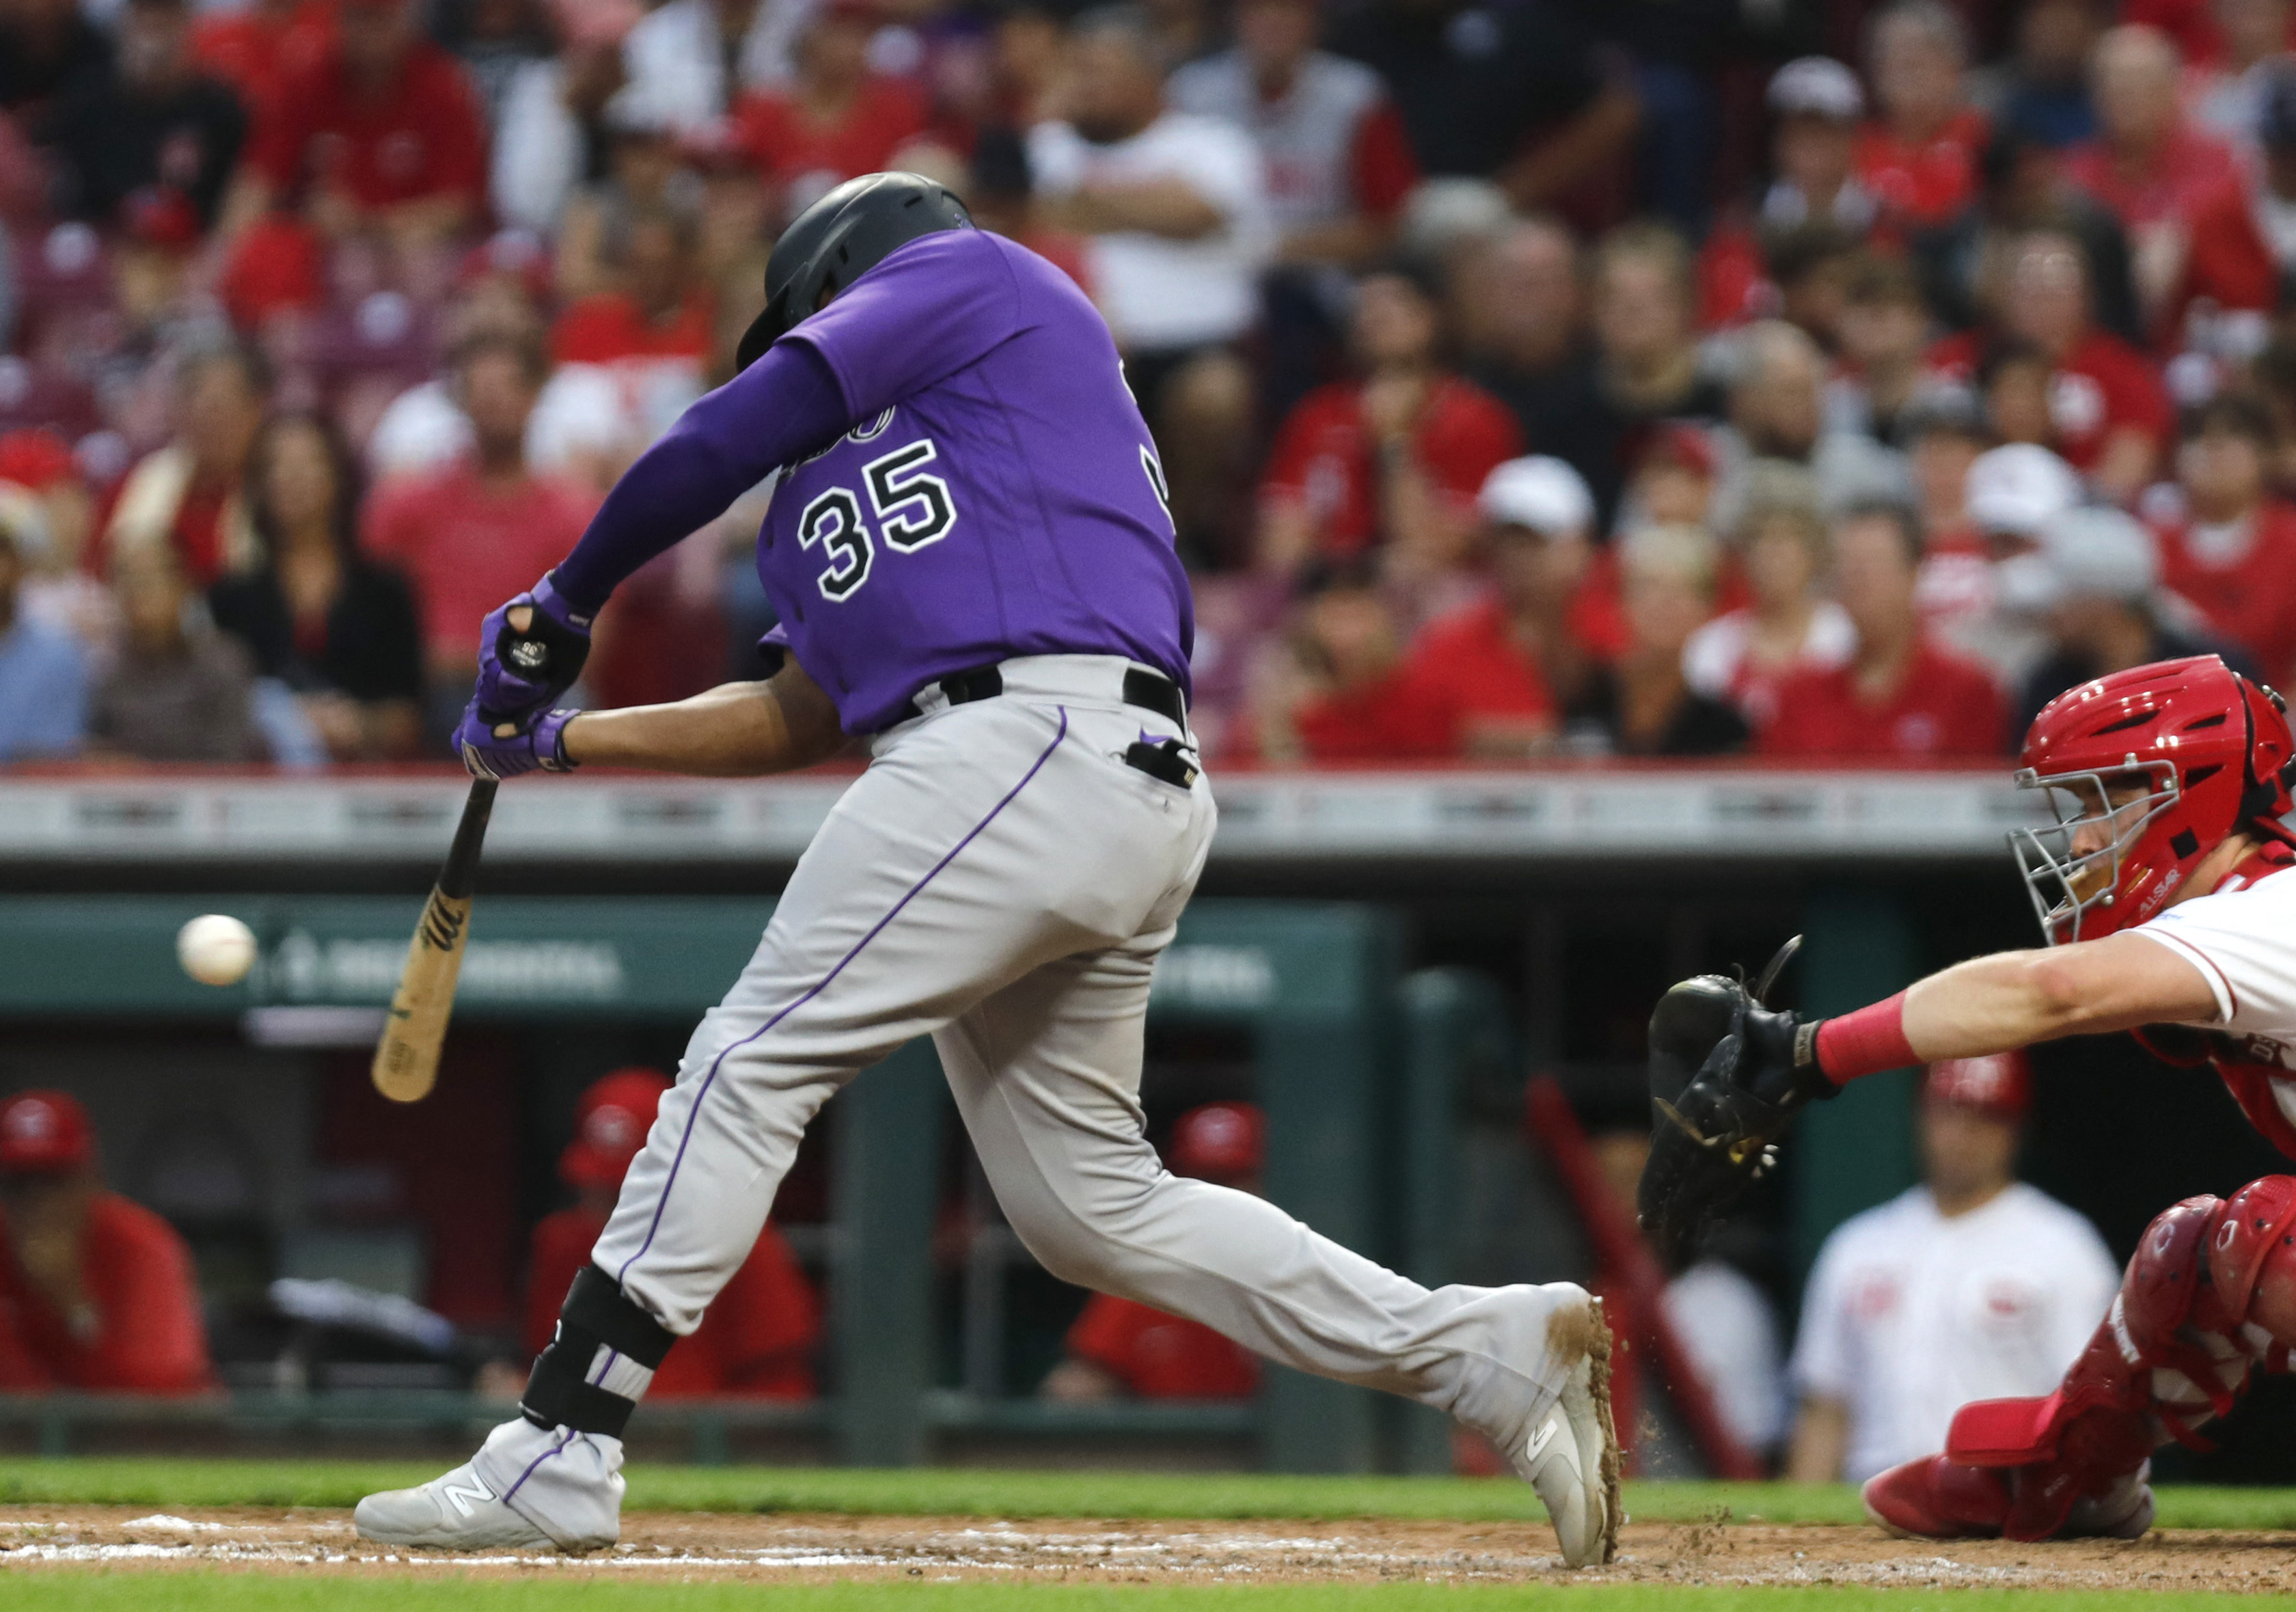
(2211, 1290)
(2148, 1372)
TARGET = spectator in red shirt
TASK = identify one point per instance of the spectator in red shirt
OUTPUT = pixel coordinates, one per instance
(1901, 697)
(1816, 104)
(2147, 164)
(186, 497)
(662, 312)
(2231, 550)
(1919, 158)
(461, 535)
(97, 1294)
(1335, 687)
(1946, 435)
(1388, 464)
(1492, 669)
(758, 1337)
(2243, 241)
(1742, 655)
(256, 49)
(1118, 1347)
(380, 133)
(646, 172)
(2110, 412)
(836, 119)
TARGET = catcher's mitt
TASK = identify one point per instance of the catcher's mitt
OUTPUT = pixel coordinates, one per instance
(1727, 1074)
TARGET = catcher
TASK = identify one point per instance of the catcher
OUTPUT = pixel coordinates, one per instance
(2161, 895)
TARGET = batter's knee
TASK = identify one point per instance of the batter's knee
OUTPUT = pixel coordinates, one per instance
(1068, 1246)
(1074, 1229)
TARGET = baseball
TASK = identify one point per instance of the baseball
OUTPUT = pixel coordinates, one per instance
(216, 949)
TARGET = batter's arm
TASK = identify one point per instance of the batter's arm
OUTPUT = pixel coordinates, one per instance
(738, 730)
(2014, 999)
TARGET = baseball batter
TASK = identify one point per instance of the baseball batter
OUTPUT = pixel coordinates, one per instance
(968, 547)
(2164, 894)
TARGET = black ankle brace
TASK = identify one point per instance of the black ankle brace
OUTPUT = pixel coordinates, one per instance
(596, 1312)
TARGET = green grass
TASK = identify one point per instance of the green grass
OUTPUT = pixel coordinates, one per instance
(958, 1492)
(197, 1592)
(929, 1491)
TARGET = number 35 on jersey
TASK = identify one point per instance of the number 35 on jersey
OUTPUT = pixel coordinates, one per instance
(911, 504)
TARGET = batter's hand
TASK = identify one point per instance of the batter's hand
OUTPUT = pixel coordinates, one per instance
(505, 749)
(1727, 1075)
(531, 651)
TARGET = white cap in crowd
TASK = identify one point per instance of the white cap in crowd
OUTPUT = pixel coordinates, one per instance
(1816, 86)
(2018, 488)
(2098, 551)
(1540, 492)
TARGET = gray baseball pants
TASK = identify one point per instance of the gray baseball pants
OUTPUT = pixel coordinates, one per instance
(1001, 881)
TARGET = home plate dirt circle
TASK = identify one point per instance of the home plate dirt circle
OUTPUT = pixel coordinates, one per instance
(814, 1547)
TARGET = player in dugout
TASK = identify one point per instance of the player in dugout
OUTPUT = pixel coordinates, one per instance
(971, 555)
(1118, 1347)
(2164, 899)
(97, 1294)
(759, 1336)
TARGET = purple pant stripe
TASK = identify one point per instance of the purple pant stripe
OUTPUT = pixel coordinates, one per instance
(536, 1462)
(823, 983)
(605, 1366)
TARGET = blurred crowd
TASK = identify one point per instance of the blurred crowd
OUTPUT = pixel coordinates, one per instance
(1660, 377)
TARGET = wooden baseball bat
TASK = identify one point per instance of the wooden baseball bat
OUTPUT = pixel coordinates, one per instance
(406, 1058)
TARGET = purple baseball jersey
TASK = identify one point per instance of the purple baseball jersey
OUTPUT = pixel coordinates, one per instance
(999, 497)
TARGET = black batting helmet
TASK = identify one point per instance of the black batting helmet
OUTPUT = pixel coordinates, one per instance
(840, 237)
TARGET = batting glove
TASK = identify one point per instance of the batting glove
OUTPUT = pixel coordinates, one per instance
(522, 671)
(505, 749)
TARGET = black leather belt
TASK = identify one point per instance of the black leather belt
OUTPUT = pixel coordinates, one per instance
(1169, 759)
(1150, 691)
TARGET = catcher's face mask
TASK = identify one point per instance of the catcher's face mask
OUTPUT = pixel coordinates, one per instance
(2077, 870)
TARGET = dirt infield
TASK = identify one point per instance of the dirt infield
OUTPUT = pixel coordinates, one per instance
(794, 1548)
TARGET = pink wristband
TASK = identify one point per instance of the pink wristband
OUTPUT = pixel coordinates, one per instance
(1864, 1042)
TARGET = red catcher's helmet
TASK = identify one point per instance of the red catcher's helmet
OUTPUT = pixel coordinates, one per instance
(2147, 771)
(1220, 1141)
(611, 1122)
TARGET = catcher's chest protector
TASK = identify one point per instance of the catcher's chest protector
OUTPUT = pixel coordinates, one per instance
(2256, 1087)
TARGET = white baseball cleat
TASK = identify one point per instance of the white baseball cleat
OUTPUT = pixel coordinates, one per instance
(527, 1488)
(1571, 1458)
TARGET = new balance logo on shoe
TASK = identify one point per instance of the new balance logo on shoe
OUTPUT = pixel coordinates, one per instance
(461, 1498)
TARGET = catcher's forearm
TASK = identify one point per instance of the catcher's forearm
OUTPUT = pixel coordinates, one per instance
(2014, 999)
(739, 730)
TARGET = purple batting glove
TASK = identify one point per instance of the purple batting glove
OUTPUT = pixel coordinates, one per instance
(521, 670)
(505, 749)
